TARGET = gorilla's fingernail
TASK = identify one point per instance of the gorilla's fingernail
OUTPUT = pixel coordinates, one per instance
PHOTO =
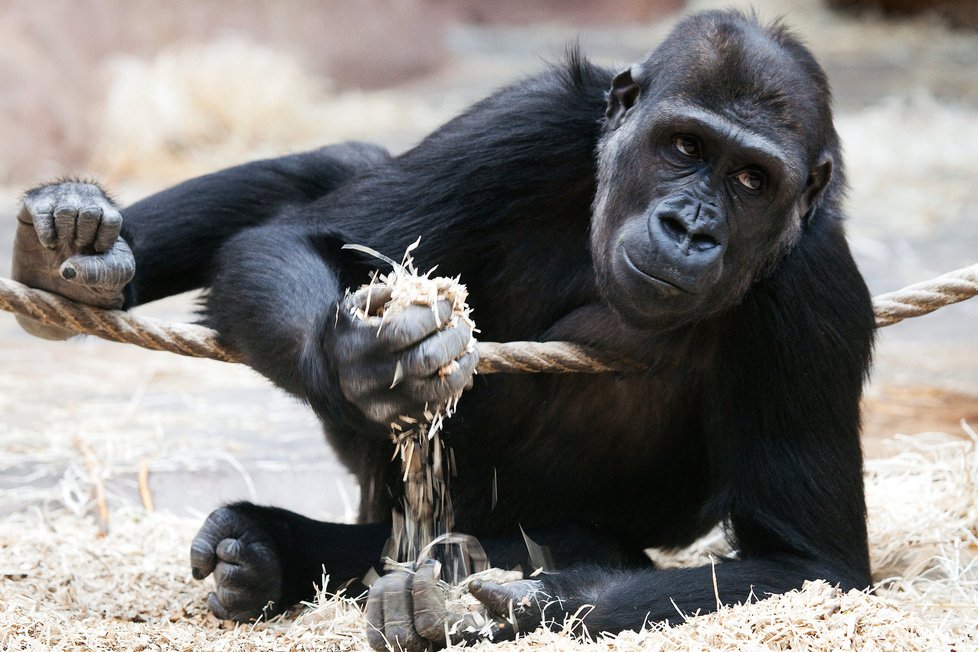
(475, 585)
(68, 273)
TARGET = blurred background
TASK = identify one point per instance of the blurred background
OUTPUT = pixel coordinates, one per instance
(141, 94)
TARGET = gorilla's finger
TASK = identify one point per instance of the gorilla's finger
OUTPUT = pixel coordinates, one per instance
(42, 221)
(110, 226)
(372, 298)
(232, 575)
(233, 599)
(430, 614)
(467, 366)
(437, 350)
(88, 222)
(216, 608)
(497, 598)
(202, 559)
(223, 612)
(448, 382)
(65, 218)
(414, 324)
(110, 271)
(459, 377)
(516, 606)
(235, 551)
(375, 619)
(203, 551)
(44, 226)
(399, 612)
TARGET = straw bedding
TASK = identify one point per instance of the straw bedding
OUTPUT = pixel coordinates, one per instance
(63, 585)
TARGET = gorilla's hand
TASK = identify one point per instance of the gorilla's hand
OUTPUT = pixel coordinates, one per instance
(68, 242)
(407, 611)
(413, 359)
(247, 570)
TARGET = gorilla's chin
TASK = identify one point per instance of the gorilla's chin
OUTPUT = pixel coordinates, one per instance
(645, 301)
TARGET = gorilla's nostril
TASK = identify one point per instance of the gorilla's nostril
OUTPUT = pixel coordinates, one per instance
(673, 228)
(703, 242)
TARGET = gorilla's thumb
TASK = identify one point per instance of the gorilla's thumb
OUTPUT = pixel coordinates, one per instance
(108, 272)
(202, 558)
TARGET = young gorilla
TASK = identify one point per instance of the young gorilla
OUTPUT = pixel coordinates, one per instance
(689, 219)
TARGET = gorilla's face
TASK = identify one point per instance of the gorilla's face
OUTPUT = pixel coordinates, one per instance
(696, 199)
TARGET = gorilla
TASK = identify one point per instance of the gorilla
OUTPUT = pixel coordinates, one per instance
(683, 213)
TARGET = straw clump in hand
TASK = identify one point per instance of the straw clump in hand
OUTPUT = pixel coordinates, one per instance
(426, 461)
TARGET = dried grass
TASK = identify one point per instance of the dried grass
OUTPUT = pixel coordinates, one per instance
(194, 109)
(63, 586)
(427, 464)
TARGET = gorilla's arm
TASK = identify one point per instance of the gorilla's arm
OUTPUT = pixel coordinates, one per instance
(176, 234)
(265, 559)
(278, 297)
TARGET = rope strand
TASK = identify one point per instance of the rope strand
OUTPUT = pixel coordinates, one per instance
(925, 297)
(494, 357)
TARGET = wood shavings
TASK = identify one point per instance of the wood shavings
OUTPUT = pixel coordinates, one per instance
(94, 468)
(145, 495)
(62, 586)
(428, 512)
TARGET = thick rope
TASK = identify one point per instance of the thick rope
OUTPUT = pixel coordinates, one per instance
(921, 298)
(494, 357)
(54, 310)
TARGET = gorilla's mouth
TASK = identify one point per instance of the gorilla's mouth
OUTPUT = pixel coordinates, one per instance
(661, 284)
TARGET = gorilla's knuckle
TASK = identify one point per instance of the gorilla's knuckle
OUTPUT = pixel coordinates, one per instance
(230, 598)
(420, 390)
(230, 549)
(226, 574)
(90, 213)
(202, 558)
(375, 638)
(413, 325)
(428, 357)
(402, 332)
(429, 625)
(377, 589)
(401, 637)
(43, 197)
(454, 383)
(222, 517)
(110, 225)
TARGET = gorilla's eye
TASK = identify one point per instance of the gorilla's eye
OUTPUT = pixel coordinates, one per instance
(750, 179)
(688, 146)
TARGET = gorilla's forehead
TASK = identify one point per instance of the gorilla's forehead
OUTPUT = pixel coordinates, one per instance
(753, 73)
(744, 127)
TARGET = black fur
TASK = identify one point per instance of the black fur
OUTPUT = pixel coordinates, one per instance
(750, 420)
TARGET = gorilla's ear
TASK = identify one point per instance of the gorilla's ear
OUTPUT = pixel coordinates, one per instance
(623, 95)
(818, 180)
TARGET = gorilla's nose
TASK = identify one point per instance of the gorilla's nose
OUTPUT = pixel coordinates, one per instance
(693, 230)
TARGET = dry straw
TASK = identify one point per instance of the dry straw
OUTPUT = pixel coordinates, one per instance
(427, 464)
(65, 587)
